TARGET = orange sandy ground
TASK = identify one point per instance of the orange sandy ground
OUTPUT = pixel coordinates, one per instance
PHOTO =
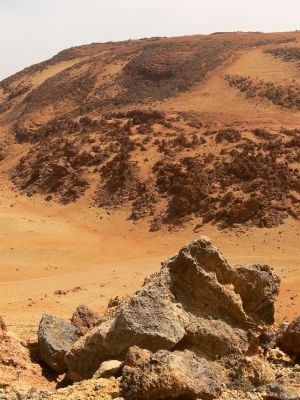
(46, 247)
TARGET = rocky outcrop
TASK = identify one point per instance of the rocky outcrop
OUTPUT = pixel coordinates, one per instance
(288, 338)
(168, 375)
(196, 302)
(55, 337)
(198, 329)
(84, 318)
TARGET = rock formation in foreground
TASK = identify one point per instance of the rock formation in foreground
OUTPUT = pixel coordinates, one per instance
(198, 329)
(197, 302)
(16, 363)
(178, 374)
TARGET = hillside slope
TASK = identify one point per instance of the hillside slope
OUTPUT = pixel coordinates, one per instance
(180, 136)
(202, 127)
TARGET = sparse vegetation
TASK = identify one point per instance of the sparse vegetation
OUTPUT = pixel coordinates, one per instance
(92, 130)
(285, 53)
(283, 96)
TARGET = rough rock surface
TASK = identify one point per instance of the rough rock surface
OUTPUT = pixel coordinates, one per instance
(17, 369)
(277, 392)
(288, 339)
(55, 337)
(93, 389)
(254, 371)
(239, 387)
(196, 302)
(257, 286)
(109, 369)
(167, 375)
(84, 318)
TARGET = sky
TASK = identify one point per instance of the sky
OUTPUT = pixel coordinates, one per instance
(35, 30)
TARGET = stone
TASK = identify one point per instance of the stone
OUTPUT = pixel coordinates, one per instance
(116, 301)
(258, 287)
(84, 318)
(278, 392)
(196, 302)
(16, 367)
(108, 369)
(2, 328)
(255, 370)
(169, 375)
(288, 338)
(55, 338)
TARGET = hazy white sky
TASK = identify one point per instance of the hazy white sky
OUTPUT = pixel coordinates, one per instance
(33, 30)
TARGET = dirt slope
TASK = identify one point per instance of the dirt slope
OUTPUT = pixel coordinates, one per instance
(106, 142)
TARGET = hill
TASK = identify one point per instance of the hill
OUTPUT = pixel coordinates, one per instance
(202, 128)
(114, 154)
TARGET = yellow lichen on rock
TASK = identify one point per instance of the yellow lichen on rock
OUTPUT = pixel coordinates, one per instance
(94, 389)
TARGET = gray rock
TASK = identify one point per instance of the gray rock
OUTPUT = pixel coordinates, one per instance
(55, 337)
(167, 375)
(277, 392)
(197, 301)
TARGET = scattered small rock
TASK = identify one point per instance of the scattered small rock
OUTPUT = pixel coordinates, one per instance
(84, 318)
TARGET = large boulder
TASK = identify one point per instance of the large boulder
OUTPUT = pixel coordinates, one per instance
(55, 338)
(84, 318)
(197, 302)
(169, 375)
(288, 338)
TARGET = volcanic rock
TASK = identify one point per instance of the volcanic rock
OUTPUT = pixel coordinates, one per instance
(258, 287)
(167, 375)
(278, 392)
(2, 328)
(109, 369)
(84, 318)
(288, 339)
(255, 370)
(196, 302)
(93, 389)
(16, 366)
(55, 337)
